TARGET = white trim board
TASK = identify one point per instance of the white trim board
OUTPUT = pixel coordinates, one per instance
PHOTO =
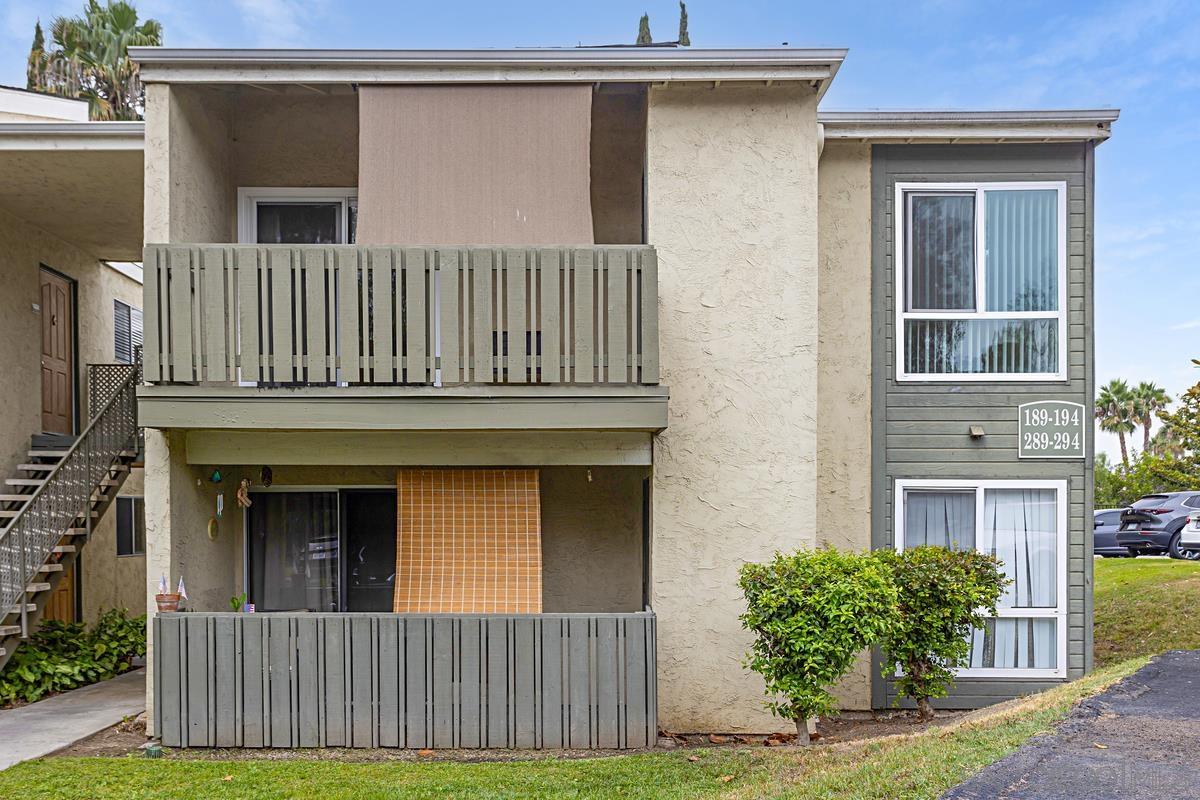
(249, 196)
(1059, 612)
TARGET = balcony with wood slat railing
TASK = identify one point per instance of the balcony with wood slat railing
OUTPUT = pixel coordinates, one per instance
(353, 321)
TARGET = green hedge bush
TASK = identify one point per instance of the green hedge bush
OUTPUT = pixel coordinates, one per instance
(943, 595)
(66, 655)
(811, 613)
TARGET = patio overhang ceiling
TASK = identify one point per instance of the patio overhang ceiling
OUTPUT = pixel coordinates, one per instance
(80, 181)
(331, 70)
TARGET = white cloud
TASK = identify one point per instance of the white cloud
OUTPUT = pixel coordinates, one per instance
(281, 23)
(1186, 326)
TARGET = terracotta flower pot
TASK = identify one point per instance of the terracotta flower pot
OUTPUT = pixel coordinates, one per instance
(168, 601)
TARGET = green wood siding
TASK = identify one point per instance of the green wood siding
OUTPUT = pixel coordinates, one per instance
(920, 430)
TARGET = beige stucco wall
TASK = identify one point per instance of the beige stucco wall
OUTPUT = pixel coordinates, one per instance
(320, 133)
(203, 143)
(844, 370)
(23, 249)
(108, 580)
(732, 209)
(190, 196)
(592, 538)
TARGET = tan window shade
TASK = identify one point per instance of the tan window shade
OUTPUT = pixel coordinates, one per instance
(474, 165)
(468, 541)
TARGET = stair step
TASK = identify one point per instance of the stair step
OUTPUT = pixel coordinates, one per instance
(16, 610)
(75, 532)
(47, 454)
(24, 481)
(50, 568)
(37, 467)
(9, 512)
(9, 630)
(63, 548)
(37, 587)
(119, 468)
(15, 498)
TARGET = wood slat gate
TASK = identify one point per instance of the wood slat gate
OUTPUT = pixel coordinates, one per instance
(320, 314)
(401, 680)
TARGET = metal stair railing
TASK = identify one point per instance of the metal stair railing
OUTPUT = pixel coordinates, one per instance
(66, 494)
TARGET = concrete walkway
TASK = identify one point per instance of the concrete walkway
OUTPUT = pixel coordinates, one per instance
(48, 725)
(1137, 740)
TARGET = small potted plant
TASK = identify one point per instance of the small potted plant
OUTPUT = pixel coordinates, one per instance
(238, 602)
(169, 601)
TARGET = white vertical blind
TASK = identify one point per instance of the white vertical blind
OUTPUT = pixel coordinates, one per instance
(1021, 231)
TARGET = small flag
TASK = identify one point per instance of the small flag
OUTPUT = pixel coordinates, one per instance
(182, 591)
(162, 585)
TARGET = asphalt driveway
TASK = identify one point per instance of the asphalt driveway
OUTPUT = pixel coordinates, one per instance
(1139, 739)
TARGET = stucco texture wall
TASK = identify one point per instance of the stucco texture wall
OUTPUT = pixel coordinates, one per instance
(108, 580)
(203, 143)
(844, 369)
(732, 210)
(24, 248)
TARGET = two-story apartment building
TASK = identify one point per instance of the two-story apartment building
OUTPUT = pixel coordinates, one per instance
(481, 373)
(70, 213)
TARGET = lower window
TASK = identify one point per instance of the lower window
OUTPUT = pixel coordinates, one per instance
(131, 526)
(1024, 524)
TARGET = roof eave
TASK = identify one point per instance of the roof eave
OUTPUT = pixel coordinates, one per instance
(1071, 125)
(486, 66)
(72, 135)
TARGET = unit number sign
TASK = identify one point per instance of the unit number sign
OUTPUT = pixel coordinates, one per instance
(1051, 429)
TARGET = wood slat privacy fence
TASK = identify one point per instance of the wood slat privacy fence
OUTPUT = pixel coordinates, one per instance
(329, 314)
(401, 680)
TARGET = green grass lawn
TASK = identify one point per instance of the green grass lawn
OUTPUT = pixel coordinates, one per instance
(917, 766)
(1145, 606)
(1142, 607)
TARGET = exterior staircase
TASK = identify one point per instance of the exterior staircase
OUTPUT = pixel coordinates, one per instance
(49, 508)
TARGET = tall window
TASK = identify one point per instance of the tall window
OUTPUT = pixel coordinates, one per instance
(127, 331)
(981, 281)
(1023, 523)
(131, 526)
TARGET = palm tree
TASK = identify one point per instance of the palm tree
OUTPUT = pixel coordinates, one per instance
(1148, 400)
(1116, 412)
(89, 59)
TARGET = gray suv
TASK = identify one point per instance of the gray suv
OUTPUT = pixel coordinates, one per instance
(1151, 526)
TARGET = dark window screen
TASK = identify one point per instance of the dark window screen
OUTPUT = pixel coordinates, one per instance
(369, 531)
(293, 551)
(298, 223)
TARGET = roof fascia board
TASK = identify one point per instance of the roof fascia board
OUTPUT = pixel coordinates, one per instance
(72, 136)
(484, 66)
(974, 126)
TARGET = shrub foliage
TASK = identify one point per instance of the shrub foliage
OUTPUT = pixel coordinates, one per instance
(66, 655)
(811, 613)
(943, 595)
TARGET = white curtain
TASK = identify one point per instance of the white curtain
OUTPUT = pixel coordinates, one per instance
(941, 518)
(1020, 527)
(1015, 643)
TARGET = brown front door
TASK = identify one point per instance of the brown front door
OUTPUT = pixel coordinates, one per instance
(61, 605)
(58, 355)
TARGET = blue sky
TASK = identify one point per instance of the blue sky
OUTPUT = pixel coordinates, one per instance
(1142, 56)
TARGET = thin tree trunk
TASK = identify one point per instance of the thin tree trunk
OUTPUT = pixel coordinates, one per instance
(1145, 436)
(802, 738)
(1124, 449)
(924, 709)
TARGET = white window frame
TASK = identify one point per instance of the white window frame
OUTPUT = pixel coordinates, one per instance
(250, 196)
(1058, 612)
(133, 500)
(902, 284)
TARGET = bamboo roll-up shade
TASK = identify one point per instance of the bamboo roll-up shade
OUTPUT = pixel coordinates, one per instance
(468, 541)
(475, 165)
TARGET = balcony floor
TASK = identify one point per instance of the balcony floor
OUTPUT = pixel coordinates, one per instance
(581, 407)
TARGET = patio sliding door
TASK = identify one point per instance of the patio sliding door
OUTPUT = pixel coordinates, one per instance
(292, 551)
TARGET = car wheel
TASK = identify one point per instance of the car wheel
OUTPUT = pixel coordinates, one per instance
(1176, 552)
